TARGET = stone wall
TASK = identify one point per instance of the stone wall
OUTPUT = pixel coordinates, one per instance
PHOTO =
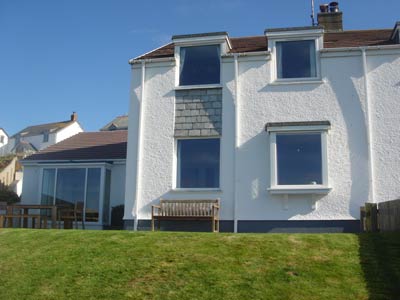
(198, 112)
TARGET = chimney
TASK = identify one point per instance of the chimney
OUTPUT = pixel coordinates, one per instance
(74, 117)
(330, 17)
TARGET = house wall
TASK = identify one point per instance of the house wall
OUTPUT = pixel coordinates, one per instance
(4, 143)
(7, 174)
(339, 98)
(67, 132)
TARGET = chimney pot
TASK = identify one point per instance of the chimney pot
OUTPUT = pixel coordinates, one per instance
(74, 116)
(334, 7)
(330, 17)
(324, 8)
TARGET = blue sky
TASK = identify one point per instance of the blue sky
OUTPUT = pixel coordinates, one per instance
(61, 56)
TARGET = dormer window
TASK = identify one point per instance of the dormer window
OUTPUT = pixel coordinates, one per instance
(2, 139)
(45, 137)
(199, 65)
(198, 59)
(296, 59)
(295, 54)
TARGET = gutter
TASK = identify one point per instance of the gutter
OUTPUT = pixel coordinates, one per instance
(346, 49)
(369, 126)
(139, 148)
(150, 60)
(236, 141)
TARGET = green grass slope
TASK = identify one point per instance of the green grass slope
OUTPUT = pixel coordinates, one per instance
(57, 264)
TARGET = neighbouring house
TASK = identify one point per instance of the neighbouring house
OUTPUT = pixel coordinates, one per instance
(292, 130)
(87, 168)
(8, 165)
(37, 137)
(3, 141)
(119, 123)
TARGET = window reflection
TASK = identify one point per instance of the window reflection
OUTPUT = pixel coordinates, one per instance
(299, 159)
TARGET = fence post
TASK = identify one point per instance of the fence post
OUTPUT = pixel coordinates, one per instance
(371, 217)
(362, 219)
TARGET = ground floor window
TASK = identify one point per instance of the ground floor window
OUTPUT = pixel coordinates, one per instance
(198, 163)
(298, 154)
(76, 187)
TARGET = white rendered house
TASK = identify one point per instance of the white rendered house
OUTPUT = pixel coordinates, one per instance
(37, 137)
(292, 130)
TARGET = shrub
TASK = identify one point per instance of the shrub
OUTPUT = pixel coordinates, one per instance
(9, 196)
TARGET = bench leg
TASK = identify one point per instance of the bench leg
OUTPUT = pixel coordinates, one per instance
(152, 224)
(213, 224)
(1, 221)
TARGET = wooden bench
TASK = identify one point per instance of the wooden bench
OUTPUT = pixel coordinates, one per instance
(194, 210)
(36, 220)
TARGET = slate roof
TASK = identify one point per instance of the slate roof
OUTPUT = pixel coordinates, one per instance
(119, 123)
(348, 38)
(40, 129)
(103, 145)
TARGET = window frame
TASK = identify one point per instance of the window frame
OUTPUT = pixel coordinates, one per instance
(176, 169)
(276, 188)
(102, 167)
(290, 35)
(274, 68)
(46, 136)
(178, 67)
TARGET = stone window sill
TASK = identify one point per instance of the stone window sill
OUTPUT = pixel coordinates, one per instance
(297, 81)
(198, 86)
(318, 189)
(196, 190)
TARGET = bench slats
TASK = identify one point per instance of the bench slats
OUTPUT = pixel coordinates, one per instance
(187, 209)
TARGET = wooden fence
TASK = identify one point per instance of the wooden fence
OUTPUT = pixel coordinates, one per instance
(384, 216)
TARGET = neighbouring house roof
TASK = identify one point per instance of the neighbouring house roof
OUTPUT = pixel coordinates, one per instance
(49, 127)
(119, 123)
(40, 129)
(24, 147)
(348, 38)
(103, 145)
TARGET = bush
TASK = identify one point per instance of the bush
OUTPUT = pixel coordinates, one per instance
(9, 196)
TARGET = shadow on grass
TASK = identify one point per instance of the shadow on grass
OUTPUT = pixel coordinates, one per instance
(380, 261)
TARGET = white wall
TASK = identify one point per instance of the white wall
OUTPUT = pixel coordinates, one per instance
(67, 132)
(339, 98)
(3, 145)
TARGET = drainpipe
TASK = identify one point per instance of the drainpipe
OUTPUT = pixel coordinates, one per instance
(236, 120)
(368, 126)
(139, 148)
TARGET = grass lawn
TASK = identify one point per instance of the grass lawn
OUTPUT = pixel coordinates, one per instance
(58, 264)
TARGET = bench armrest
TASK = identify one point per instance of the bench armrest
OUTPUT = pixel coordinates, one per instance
(158, 207)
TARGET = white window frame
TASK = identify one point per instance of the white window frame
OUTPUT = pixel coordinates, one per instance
(176, 168)
(219, 40)
(178, 68)
(276, 188)
(102, 168)
(315, 35)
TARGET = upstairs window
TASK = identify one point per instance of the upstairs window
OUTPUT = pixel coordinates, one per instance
(2, 139)
(296, 59)
(45, 137)
(199, 65)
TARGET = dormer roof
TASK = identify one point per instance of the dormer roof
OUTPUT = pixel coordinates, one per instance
(348, 38)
